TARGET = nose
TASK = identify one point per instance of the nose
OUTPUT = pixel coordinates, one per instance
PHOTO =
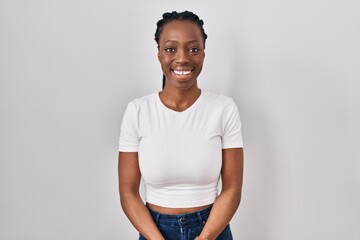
(182, 56)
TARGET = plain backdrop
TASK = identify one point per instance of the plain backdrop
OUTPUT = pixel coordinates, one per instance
(68, 68)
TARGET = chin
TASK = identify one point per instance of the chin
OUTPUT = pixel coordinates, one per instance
(184, 85)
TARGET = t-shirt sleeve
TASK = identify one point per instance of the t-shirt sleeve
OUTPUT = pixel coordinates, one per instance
(129, 137)
(231, 127)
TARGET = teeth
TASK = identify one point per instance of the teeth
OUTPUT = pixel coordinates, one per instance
(182, 72)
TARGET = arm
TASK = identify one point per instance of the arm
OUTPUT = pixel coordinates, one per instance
(228, 201)
(131, 202)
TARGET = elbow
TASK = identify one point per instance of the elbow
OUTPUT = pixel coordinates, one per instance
(233, 195)
(124, 199)
(238, 193)
(127, 198)
(238, 198)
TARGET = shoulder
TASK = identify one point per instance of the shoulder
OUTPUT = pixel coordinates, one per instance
(217, 100)
(140, 102)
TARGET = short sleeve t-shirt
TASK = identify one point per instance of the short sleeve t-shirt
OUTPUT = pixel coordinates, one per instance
(180, 153)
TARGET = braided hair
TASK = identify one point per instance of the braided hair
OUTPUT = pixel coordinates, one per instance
(171, 16)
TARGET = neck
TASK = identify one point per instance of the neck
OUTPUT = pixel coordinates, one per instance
(179, 99)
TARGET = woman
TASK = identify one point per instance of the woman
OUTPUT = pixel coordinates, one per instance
(180, 141)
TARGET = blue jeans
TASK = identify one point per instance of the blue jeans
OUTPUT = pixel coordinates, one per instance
(185, 226)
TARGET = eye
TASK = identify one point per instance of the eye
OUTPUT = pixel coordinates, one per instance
(194, 50)
(170, 49)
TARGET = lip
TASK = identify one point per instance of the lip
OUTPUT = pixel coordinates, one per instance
(182, 74)
(182, 69)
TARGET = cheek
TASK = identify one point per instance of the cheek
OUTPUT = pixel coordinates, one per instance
(165, 66)
(200, 62)
(165, 61)
(199, 59)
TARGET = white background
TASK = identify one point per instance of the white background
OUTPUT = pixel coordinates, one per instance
(68, 69)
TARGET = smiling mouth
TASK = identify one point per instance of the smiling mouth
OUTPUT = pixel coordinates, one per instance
(182, 73)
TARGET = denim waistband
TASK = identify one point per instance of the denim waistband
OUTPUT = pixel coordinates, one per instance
(181, 220)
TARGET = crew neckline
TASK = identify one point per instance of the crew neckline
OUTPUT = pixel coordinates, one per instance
(180, 112)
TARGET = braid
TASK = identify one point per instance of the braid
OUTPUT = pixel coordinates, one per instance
(171, 16)
(168, 17)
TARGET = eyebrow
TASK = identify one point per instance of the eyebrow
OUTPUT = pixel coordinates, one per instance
(192, 41)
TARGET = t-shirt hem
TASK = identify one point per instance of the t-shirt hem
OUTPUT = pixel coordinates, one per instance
(233, 145)
(182, 204)
(128, 149)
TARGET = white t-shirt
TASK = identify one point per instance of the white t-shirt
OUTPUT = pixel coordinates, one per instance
(180, 153)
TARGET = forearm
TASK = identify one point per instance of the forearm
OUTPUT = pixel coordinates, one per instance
(140, 217)
(221, 213)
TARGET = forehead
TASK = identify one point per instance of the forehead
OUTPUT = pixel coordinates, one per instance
(180, 30)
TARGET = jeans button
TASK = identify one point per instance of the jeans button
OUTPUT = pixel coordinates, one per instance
(182, 220)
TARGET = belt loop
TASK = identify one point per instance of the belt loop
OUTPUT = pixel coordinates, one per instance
(157, 218)
(200, 218)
